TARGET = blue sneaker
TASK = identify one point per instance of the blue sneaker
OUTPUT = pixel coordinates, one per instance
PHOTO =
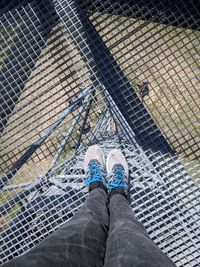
(117, 169)
(94, 165)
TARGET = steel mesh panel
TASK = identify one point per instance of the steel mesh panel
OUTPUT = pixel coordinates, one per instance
(117, 73)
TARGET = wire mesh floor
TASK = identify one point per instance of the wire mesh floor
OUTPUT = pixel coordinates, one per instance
(117, 73)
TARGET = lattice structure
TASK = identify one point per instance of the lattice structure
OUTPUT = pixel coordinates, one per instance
(117, 73)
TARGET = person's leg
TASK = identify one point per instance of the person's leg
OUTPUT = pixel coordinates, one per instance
(79, 242)
(128, 243)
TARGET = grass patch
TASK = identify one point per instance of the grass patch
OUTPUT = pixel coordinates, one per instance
(165, 55)
(169, 58)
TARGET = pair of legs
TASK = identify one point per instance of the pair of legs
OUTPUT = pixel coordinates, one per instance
(103, 233)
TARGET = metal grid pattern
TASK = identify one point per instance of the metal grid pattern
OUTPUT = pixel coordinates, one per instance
(117, 73)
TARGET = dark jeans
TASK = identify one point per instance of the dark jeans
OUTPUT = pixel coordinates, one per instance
(100, 234)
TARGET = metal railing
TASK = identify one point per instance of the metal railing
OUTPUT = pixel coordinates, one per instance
(117, 73)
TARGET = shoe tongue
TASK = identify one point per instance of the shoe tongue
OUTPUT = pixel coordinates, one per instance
(95, 160)
(118, 165)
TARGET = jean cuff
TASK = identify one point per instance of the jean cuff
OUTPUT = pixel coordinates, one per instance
(94, 185)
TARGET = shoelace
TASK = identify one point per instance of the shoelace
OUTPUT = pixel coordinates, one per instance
(94, 173)
(117, 178)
